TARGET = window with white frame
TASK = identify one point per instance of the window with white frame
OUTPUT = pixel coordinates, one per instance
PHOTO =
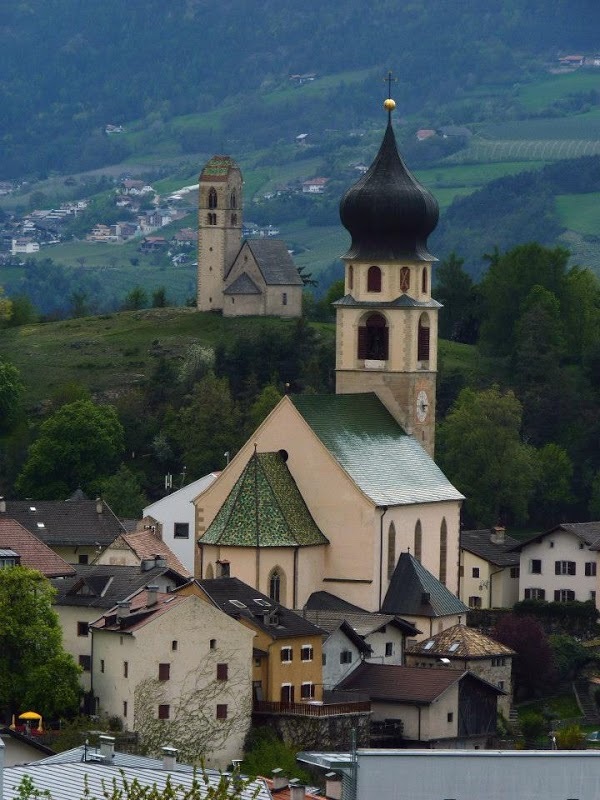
(564, 595)
(535, 594)
(307, 691)
(565, 568)
(590, 569)
(286, 655)
(306, 652)
(535, 566)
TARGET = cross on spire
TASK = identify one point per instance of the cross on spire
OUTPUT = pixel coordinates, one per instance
(390, 79)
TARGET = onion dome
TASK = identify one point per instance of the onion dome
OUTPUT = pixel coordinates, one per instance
(387, 212)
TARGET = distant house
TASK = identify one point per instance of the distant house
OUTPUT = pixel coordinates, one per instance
(24, 245)
(425, 133)
(437, 707)
(173, 519)
(314, 185)
(459, 131)
(77, 529)
(185, 236)
(100, 233)
(152, 244)
(134, 548)
(561, 564)
(20, 547)
(489, 569)
(110, 129)
(572, 60)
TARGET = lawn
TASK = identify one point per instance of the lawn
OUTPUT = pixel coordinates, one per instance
(563, 706)
(539, 95)
(580, 212)
(475, 175)
(579, 126)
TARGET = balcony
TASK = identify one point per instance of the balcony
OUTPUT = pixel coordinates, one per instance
(334, 704)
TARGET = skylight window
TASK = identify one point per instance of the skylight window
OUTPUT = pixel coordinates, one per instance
(260, 602)
(238, 604)
(32, 508)
(453, 647)
(428, 646)
(40, 524)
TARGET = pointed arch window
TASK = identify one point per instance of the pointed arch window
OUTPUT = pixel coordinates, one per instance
(211, 218)
(391, 550)
(423, 339)
(425, 281)
(374, 279)
(418, 548)
(350, 278)
(212, 198)
(373, 339)
(276, 585)
(443, 550)
(404, 279)
(233, 199)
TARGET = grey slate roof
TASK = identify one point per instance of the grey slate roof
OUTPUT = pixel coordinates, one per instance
(330, 602)
(363, 623)
(390, 467)
(75, 781)
(586, 532)
(87, 754)
(403, 301)
(66, 523)
(223, 590)
(413, 590)
(480, 544)
(102, 586)
(243, 284)
(274, 262)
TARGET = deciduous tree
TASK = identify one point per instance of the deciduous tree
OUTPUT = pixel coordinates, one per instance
(35, 672)
(534, 670)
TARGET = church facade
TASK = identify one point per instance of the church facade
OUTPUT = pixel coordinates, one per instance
(372, 511)
(256, 277)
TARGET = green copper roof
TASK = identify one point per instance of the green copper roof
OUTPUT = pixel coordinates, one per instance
(264, 509)
(218, 167)
(390, 467)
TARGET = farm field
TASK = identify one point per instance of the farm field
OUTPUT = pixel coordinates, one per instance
(537, 96)
(580, 212)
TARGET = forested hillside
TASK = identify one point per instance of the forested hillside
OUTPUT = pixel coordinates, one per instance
(69, 68)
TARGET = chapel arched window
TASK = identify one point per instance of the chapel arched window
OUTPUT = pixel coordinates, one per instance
(443, 550)
(373, 339)
(425, 281)
(275, 585)
(391, 551)
(418, 548)
(350, 278)
(212, 198)
(404, 279)
(374, 279)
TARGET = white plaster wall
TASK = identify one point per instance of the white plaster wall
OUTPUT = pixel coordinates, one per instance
(333, 670)
(558, 546)
(378, 641)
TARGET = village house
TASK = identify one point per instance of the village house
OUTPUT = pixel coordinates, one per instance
(467, 649)
(489, 568)
(561, 564)
(21, 548)
(315, 185)
(24, 245)
(175, 669)
(133, 549)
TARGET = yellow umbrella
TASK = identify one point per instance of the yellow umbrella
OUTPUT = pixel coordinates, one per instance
(30, 715)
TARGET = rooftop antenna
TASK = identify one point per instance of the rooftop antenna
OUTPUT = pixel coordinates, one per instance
(168, 481)
(226, 455)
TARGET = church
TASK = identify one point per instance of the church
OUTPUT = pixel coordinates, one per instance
(339, 495)
(256, 277)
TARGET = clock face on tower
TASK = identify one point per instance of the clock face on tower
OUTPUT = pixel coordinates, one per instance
(422, 406)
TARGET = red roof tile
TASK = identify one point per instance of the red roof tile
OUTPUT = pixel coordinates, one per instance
(33, 552)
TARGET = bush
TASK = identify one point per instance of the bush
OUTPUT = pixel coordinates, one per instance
(533, 726)
(571, 738)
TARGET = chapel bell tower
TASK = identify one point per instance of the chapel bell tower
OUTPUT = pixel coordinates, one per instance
(219, 228)
(387, 322)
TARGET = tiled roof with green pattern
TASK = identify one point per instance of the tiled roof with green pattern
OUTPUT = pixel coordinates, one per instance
(217, 167)
(390, 467)
(264, 509)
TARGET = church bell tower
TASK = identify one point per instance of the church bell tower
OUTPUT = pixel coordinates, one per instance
(386, 332)
(219, 228)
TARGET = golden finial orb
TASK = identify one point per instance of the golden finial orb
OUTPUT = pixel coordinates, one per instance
(389, 104)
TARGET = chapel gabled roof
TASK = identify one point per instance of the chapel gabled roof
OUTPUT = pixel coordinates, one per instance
(274, 262)
(264, 509)
(413, 590)
(388, 466)
(462, 642)
(387, 212)
(243, 284)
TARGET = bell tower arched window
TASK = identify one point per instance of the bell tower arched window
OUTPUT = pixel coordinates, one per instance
(418, 540)
(350, 277)
(212, 198)
(423, 340)
(391, 551)
(373, 339)
(424, 281)
(404, 279)
(443, 550)
(374, 279)
(233, 199)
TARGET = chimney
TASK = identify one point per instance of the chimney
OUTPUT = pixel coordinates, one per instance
(147, 564)
(107, 748)
(123, 609)
(2, 505)
(297, 790)
(99, 505)
(152, 595)
(279, 779)
(160, 561)
(425, 598)
(169, 757)
(497, 534)
(333, 786)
